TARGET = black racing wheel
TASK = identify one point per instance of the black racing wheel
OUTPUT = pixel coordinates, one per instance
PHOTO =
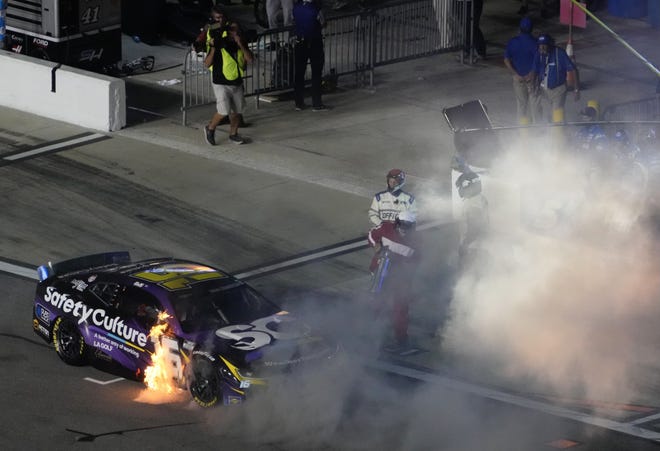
(68, 341)
(204, 382)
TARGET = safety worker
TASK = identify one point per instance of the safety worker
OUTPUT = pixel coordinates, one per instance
(396, 245)
(519, 59)
(228, 55)
(386, 205)
(591, 139)
(552, 69)
(217, 20)
(475, 218)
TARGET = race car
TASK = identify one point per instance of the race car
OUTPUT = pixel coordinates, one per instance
(223, 338)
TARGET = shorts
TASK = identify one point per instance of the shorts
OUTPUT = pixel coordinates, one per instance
(229, 98)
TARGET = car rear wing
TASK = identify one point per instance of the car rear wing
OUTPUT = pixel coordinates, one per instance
(83, 263)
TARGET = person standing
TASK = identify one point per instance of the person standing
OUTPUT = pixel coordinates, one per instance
(227, 58)
(272, 11)
(475, 218)
(474, 38)
(519, 59)
(395, 246)
(309, 22)
(386, 205)
(552, 67)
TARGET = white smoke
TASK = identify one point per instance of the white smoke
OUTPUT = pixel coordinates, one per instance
(566, 293)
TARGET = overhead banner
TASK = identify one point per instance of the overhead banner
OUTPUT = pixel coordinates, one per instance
(579, 18)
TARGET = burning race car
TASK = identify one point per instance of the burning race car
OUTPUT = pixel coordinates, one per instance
(196, 325)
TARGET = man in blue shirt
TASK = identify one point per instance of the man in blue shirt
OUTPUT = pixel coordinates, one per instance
(552, 69)
(519, 59)
(309, 21)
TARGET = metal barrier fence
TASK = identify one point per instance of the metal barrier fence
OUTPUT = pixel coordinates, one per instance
(637, 110)
(354, 44)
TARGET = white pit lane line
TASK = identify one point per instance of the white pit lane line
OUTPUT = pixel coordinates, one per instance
(631, 428)
(111, 381)
(53, 147)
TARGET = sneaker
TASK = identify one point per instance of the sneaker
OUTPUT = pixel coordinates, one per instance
(301, 107)
(237, 139)
(209, 135)
(320, 108)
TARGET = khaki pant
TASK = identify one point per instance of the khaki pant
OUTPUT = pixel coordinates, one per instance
(557, 99)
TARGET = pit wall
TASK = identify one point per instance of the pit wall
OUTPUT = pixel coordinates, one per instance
(62, 93)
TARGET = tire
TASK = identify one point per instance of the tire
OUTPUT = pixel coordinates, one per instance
(69, 342)
(260, 14)
(204, 382)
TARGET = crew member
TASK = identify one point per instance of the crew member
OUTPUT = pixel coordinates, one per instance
(386, 205)
(395, 242)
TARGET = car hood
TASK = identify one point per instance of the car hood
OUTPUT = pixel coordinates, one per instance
(272, 344)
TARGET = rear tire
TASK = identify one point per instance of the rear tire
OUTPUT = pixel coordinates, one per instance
(69, 342)
(204, 382)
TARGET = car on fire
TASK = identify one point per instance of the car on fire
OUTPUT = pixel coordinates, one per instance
(223, 338)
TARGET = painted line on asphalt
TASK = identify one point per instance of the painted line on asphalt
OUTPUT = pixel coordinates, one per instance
(646, 419)
(19, 270)
(30, 272)
(111, 381)
(86, 138)
(324, 253)
(630, 428)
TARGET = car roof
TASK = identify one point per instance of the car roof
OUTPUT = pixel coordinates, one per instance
(169, 273)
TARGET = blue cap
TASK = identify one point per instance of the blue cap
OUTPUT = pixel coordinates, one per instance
(545, 39)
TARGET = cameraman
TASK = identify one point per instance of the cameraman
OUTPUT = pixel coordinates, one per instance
(228, 54)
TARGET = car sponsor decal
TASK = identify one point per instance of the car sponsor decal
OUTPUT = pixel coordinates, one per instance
(253, 336)
(79, 285)
(42, 313)
(97, 316)
(178, 276)
(40, 329)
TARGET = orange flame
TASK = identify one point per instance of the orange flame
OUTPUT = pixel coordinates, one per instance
(159, 376)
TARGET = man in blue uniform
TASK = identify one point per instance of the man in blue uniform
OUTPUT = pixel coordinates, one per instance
(552, 69)
(309, 21)
(519, 59)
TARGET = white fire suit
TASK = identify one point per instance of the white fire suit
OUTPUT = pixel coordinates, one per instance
(386, 206)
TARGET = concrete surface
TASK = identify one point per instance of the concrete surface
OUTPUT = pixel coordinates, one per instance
(399, 123)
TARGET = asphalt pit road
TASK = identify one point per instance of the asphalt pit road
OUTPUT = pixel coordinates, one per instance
(148, 219)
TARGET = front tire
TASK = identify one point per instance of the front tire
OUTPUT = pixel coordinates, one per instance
(204, 382)
(69, 342)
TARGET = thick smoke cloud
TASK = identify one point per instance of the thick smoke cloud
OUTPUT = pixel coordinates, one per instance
(564, 295)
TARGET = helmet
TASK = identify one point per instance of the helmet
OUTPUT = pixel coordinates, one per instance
(399, 176)
(590, 113)
(545, 39)
(526, 25)
(621, 136)
(405, 221)
(468, 184)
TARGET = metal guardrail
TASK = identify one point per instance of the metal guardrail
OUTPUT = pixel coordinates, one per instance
(637, 110)
(354, 44)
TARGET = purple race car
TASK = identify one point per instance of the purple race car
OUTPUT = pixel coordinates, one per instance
(223, 338)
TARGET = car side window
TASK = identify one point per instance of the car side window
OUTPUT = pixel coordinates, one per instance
(106, 292)
(140, 305)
